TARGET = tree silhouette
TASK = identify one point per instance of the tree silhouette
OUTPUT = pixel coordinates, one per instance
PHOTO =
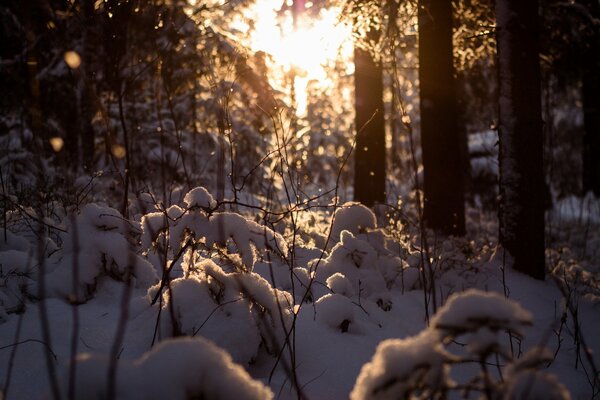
(443, 160)
(521, 139)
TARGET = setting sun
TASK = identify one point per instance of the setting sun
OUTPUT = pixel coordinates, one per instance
(303, 50)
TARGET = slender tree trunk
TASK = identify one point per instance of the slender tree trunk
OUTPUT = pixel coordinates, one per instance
(369, 169)
(591, 135)
(443, 157)
(521, 138)
(591, 108)
(87, 86)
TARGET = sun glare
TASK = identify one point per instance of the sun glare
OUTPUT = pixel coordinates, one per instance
(304, 49)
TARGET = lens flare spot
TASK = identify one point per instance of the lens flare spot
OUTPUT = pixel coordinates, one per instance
(72, 59)
(57, 143)
(118, 151)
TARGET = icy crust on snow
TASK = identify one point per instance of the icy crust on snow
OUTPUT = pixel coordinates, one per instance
(177, 369)
(239, 311)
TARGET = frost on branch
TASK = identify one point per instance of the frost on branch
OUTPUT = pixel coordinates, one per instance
(178, 369)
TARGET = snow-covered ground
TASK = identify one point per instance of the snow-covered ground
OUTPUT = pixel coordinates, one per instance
(249, 311)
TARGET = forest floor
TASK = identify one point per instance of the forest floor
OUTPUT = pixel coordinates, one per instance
(240, 295)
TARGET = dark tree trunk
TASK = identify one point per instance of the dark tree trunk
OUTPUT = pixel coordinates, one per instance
(87, 94)
(591, 135)
(369, 167)
(443, 156)
(521, 138)
(116, 19)
(591, 107)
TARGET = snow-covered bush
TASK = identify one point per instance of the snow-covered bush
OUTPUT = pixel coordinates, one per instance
(96, 244)
(239, 310)
(352, 217)
(178, 369)
(415, 367)
(336, 311)
(419, 366)
(366, 264)
(213, 231)
(15, 275)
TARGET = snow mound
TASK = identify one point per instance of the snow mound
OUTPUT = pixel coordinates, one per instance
(199, 197)
(176, 369)
(335, 311)
(353, 217)
(473, 309)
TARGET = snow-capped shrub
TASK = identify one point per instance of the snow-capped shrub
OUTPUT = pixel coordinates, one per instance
(96, 244)
(216, 229)
(199, 197)
(535, 385)
(338, 283)
(370, 270)
(419, 367)
(483, 315)
(353, 217)
(237, 310)
(524, 381)
(153, 224)
(336, 311)
(415, 367)
(15, 276)
(242, 231)
(178, 369)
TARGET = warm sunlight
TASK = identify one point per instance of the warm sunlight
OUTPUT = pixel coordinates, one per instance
(304, 50)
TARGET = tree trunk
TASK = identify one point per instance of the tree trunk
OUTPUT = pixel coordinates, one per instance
(87, 83)
(443, 158)
(591, 108)
(521, 139)
(369, 167)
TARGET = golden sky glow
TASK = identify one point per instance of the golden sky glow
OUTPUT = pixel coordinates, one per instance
(303, 49)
